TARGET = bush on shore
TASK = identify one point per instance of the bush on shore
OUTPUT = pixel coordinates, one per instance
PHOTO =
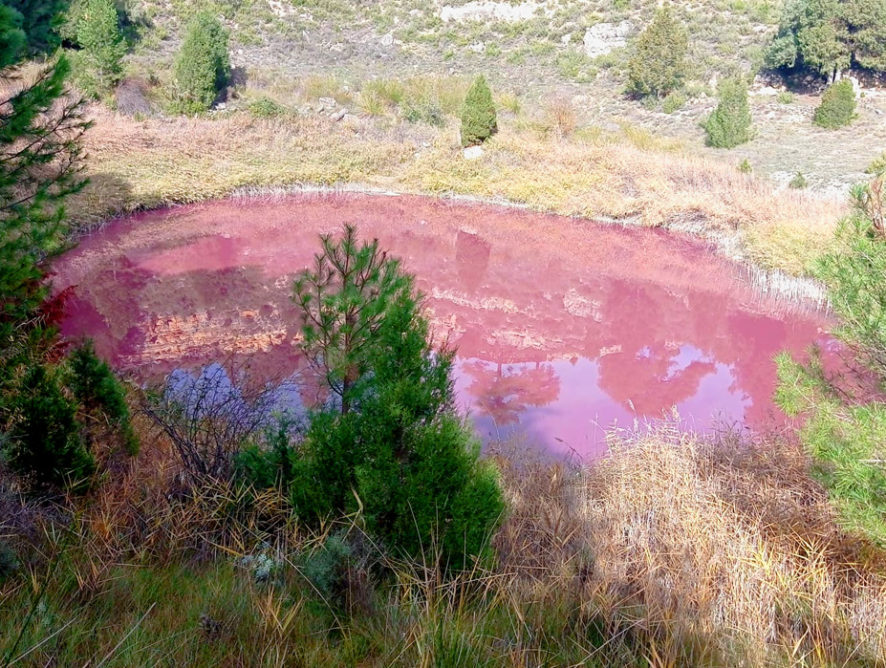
(389, 444)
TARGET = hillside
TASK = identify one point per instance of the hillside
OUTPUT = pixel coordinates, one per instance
(540, 55)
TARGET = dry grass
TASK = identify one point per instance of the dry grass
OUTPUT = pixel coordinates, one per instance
(723, 554)
(669, 552)
(620, 175)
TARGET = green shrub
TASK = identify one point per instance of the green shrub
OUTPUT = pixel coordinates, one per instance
(45, 440)
(390, 445)
(837, 107)
(730, 123)
(202, 67)
(798, 182)
(658, 64)
(674, 101)
(785, 97)
(745, 167)
(478, 119)
(423, 109)
(845, 430)
(100, 394)
(265, 107)
(877, 166)
(103, 48)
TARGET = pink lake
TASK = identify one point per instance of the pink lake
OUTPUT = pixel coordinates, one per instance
(564, 327)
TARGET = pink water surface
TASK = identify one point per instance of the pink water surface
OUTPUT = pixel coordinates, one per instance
(564, 327)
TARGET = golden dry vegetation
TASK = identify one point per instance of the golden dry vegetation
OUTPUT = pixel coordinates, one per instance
(629, 176)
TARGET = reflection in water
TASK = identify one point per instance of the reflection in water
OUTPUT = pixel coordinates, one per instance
(563, 328)
(504, 393)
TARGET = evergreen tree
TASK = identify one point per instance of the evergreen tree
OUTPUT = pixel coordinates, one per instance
(41, 401)
(395, 447)
(45, 439)
(658, 64)
(828, 36)
(478, 118)
(40, 162)
(730, 123)
(203, 66)
(845, 421)
(837, 107)
(98, 34)
(43, 19)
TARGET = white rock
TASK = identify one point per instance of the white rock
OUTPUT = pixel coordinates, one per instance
(565, 39)
(473, 152)
(387, 40)
(602, 38)
(480, 10)
(338, 115)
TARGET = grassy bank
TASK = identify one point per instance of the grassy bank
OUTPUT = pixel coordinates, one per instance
(627, 175)
(726, 554)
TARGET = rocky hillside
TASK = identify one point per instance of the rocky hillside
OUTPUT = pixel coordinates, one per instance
(540, 57)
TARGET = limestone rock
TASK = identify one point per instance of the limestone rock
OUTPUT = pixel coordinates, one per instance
(473, 152)
(602, 38)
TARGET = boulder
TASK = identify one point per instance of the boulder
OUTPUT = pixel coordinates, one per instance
(602, 38)
(473, 152)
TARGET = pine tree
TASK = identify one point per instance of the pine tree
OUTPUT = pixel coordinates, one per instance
(98, 34)
(658, 64)
(40, 162)
(203, 66)
(478, 119)
(44, 17)
(395, 447)
(730, 123)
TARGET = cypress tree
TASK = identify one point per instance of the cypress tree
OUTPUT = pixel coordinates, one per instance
(98, 34)
(730, 123)
(203, 66)
(478, 119)
(658, 64)
(837, 108)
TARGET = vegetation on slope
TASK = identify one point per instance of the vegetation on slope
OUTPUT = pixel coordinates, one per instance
(725, 554)
(845, 427)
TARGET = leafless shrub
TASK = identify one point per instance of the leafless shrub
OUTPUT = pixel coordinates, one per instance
(209, 418)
